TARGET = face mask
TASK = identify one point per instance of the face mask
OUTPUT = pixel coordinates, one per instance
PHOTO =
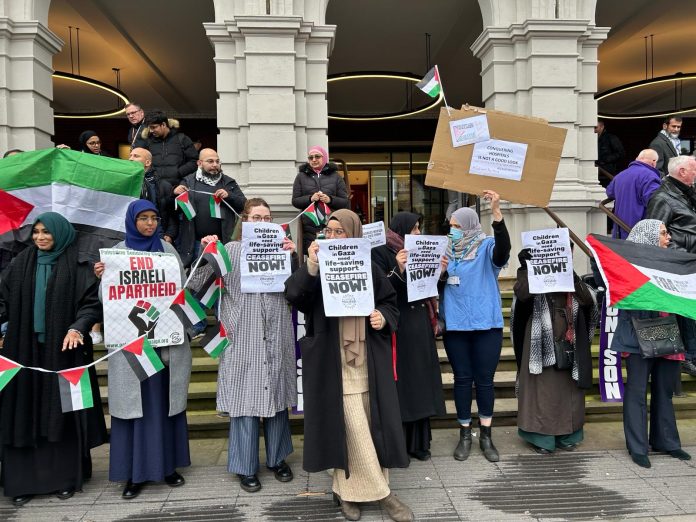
(456, 234)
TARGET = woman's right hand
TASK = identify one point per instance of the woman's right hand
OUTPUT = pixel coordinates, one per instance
(401, 257)
(99, 269)
(312, 252)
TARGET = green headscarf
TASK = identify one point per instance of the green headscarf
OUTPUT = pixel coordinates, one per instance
(63, 236)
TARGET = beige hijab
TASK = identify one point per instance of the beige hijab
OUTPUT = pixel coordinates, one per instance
(352, 328)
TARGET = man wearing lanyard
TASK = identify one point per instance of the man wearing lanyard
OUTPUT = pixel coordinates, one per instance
(136, 117)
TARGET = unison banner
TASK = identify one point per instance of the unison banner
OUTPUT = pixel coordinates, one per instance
(264, 265)
(137, 289)
(345, 267)
(423, 265)
(611, 387)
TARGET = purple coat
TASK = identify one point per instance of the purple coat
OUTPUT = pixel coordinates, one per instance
(631, 190)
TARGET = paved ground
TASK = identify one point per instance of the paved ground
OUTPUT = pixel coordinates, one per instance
(597, 482)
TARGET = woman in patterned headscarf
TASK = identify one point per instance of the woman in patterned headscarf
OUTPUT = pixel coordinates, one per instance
(661, 372)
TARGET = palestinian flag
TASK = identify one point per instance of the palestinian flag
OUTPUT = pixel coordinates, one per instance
(75, 389)
(211, 291)
(323, 212)
(215, 211)
(430, 84)
(8, 369)
(183, 203)
(645, 277)
(92, 192)
(310, 213)
(187, 309)
(217, 256)
(286, 229)
(142, 358)
(215, 341)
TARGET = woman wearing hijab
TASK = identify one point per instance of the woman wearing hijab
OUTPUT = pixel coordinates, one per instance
(551, 400)
(351, 408)
(662, 372)
(257, 378)
(48, 295)
(149, 434)
(90, 143)
(417, 364)
(317, 182)
(473, 318)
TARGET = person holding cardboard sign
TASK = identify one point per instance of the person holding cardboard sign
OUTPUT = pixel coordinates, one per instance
(473, 317)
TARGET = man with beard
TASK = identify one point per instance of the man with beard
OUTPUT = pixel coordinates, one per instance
(667, 143)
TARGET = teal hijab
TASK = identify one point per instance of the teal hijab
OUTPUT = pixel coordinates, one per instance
(63, 236)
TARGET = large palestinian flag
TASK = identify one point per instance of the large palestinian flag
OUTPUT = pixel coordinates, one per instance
(92, 192)
(645, 277)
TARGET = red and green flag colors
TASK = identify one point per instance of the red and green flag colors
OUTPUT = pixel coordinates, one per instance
(211, 291)
(286, 229)
(142, 358)
(215, 211)
(184, 204)
(645, 277)
(215, 341)
(187, 309)
(8, 369)
(75, 389)
(318, 213)
(430, 84)
(217, 256)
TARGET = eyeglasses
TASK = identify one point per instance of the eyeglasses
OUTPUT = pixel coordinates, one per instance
(328, 231)
(149, 219)
(256, 218)
(315, 156)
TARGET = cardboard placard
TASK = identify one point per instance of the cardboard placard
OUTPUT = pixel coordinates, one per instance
(449, 166)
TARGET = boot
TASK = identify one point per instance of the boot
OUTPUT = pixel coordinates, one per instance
(350, 510)
(397, 510)
(487, 446)
(461, 452)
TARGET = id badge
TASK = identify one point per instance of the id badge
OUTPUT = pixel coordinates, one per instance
(453, 280)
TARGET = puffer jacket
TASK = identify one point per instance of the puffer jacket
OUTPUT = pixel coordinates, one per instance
(307, 182)
(675, 206)
(174, 156)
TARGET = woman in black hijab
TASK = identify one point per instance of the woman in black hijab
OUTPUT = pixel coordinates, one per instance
(90, 143)
(417, 364)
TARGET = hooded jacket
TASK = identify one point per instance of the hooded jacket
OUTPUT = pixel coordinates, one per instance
(174, 156)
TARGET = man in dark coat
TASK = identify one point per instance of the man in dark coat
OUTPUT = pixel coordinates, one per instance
(136, 118)
(173, 153)
(610, 152)
(667, 143)
(207, 181)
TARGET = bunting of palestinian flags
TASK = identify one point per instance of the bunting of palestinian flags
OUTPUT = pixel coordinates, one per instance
(211, 291)
(187, 309)
(142, 358)
(8, 369)
(215, 341)
(318, 212)
(645, 277)
(75, 389)
(184, 204)
(215, 211)
(217, 256)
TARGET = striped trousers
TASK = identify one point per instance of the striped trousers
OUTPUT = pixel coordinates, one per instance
(243, 451)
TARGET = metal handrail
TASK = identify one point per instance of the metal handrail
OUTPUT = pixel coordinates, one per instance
(606, 173)
(616, 219)
(579, 242)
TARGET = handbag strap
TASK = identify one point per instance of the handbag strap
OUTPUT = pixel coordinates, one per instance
(569, 318)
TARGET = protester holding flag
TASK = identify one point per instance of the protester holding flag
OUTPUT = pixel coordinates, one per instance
(551, 397)
(317, 185)
(417, 365)
(48, 295)
(661, 372)
(257, 374)
(351, 406)
(149, 432)
(473, 318)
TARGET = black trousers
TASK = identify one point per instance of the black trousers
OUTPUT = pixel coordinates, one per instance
(663, 374)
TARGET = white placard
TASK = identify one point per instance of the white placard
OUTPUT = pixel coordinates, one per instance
(423, 264)
(551, 266)
(345, 268)
(137, 290)
(499, 159)
(375, 233)
(264, 265)
(469, 130)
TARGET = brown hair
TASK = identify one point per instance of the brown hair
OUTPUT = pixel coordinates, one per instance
(251, 203)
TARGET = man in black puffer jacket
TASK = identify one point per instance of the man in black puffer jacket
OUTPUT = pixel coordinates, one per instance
(317, 181)
(173, 153)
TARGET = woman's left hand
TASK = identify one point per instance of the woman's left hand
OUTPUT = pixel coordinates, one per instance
(324, 198)
(72, 340)
(377, 320)
(288, 244)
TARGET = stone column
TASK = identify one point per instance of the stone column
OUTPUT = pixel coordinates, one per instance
(27, 47)
(271, 65)
(540, 59)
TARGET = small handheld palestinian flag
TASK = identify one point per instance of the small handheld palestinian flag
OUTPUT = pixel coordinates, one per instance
(215, 211)
(184, 204)
(311, 214)
(217, 256)
(286, 229)
(323, 212)
(646, 277)
(8, 369)
(187, 309)
(75, 389)
(215, 341)
(142, 358)
(211, 291)
(430, 84)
